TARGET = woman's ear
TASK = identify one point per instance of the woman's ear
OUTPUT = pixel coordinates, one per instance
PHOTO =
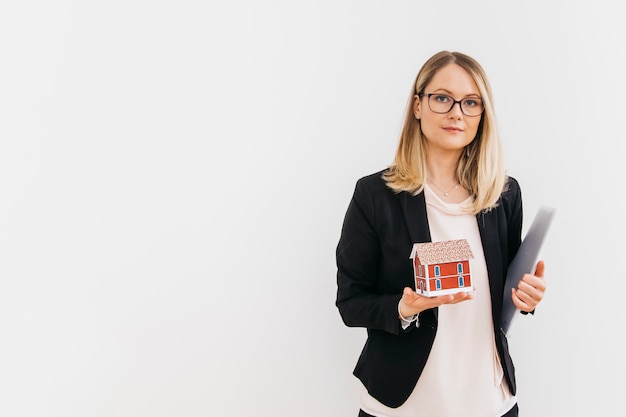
(417, 107)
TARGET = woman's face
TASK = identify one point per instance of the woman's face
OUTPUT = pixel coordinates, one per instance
(448, 132)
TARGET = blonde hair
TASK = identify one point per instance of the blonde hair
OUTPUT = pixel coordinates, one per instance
(480, 169)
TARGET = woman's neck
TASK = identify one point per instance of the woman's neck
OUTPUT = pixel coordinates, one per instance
(442, 171)
(441, 176)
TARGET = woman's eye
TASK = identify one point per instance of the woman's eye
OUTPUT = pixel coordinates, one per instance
(442, 98)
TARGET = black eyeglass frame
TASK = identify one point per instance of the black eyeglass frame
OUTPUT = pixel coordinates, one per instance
(454, 102)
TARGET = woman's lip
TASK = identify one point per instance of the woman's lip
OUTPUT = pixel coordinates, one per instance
(453, 129)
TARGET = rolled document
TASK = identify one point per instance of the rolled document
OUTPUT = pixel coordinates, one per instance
(524, 262)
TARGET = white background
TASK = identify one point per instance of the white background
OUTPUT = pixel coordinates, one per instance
(174, 175)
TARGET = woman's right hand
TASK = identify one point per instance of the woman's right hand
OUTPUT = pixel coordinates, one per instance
(413, 303)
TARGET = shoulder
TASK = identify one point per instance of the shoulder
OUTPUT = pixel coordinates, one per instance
(373, 185)
(373, 182)
(511, 198)
(512, 189)
(372, 179)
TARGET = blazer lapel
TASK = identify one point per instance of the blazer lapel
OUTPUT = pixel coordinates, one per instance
(488, 225)
(414, 211)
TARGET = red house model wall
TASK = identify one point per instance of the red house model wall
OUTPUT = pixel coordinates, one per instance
(442, 267)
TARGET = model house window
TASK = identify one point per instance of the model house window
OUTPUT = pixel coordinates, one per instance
(459, 268)
(437, 270)
(438, 284)
(419, 269)
(461, 282)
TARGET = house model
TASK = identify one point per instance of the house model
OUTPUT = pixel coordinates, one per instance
(442, 267)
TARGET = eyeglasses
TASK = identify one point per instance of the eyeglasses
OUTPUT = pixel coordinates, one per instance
(443, 103)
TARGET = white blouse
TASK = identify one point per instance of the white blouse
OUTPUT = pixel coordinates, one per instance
(463, 375)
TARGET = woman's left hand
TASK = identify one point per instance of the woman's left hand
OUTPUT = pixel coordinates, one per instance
(530, 289)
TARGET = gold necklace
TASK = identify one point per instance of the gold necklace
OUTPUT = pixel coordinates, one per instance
(445, 193)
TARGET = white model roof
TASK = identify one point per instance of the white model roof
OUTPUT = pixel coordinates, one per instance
(442, 252)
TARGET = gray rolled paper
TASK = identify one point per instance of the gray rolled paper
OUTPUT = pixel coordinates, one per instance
(525, 262)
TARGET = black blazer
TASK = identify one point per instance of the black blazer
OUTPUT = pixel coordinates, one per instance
(373, 267)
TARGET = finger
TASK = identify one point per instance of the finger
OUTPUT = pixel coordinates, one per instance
(518, 300)
(408, 295)
(532, 285)
(530, 298)
(523, 296)
(431, 302)
(459, 297)
(446, 299)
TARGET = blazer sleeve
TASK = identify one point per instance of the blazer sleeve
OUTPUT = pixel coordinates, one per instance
(360, 301)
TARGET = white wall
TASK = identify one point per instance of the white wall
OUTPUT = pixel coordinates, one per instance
(173, 178)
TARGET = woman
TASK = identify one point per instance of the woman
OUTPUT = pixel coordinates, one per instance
(444, 355)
